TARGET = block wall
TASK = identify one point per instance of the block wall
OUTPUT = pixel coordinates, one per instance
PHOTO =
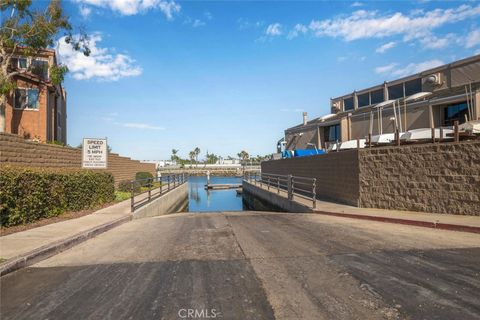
(14, 150)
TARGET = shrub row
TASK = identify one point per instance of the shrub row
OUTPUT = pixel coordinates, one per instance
(27, 195)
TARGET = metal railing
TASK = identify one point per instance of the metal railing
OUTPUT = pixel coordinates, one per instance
(147, 190)
(302, 187)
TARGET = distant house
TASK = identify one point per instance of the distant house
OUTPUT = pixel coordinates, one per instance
(37, 108)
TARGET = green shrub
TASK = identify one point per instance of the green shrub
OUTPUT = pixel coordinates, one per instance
(142, 176)
(126, 186)
(27, 195)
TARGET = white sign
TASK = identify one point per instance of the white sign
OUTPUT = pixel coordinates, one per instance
(94, 153)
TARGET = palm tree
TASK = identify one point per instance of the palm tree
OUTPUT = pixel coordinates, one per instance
(192, 155)
(243, 155)
(197, 152)
(174, 156)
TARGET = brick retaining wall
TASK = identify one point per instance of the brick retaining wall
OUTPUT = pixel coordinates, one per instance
(14, 150)
(441, 178)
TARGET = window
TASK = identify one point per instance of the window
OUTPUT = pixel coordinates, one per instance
(348, 104)
(40, 68)
(363, 100)
(395, 91)
(26, 98)
(412, 87)
(332, 133)
(20, 63)
(376, 96)
(455, 112)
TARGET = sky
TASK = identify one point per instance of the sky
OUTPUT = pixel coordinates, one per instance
(227, 76)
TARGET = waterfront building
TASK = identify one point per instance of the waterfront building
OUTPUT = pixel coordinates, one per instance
(433, 98)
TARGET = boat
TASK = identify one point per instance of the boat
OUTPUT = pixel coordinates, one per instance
(425, 134)
(346, 145)
(473, 127)
(383, 138)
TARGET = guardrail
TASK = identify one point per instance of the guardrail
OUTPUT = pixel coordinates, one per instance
(303, 187)
(152, 188)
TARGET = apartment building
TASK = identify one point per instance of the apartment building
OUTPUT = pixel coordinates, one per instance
(36, 109)
(430, 99)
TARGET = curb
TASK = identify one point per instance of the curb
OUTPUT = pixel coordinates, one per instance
(54, 248)
(417, 223)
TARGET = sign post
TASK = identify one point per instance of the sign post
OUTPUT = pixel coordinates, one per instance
(94, 153)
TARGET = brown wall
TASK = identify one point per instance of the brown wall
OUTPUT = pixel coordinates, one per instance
(441, 178)
(14, 150)
(336, 173)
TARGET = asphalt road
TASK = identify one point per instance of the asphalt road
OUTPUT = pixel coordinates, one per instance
(254, 266)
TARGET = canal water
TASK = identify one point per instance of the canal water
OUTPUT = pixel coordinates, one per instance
(200, 199)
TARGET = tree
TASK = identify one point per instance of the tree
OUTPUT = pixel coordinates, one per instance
(174, 156)
(212, 158)
(197, 152)
(192, 155)
(243, 155)
(28, 31)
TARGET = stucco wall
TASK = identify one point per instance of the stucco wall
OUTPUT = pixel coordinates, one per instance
(441, 178)
(14, 150)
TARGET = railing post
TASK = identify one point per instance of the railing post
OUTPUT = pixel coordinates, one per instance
(160, 180)
(268, 183)
(290, 187)
(278, 185)
(314, 193)
(149, 181)
(169, 178)
(132, 197)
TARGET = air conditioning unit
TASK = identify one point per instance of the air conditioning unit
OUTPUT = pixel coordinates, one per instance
(336, 106)
(433, 80)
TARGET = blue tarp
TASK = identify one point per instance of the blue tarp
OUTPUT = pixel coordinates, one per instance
(306, 153)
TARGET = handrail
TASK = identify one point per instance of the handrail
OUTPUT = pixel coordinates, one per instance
(304, 187)
(165, 184)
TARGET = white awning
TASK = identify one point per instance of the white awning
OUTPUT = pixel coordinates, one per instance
(328, 116)
(384, 103)
(417, 96)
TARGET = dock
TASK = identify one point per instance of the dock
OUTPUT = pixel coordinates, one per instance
(223, 186)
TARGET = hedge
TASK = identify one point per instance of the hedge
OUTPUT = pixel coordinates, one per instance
(27, 195)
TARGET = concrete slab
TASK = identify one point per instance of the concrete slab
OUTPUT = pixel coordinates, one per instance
(431, 220)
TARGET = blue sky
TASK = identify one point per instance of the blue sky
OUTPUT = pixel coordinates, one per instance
(226, 76)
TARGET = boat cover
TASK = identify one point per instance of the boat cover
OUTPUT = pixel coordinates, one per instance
(307, 152)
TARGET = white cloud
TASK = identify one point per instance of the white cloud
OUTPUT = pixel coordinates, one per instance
(472, 39)
(410, 69)
(208, 15)
(297, 30)
(413, 68)
(274, 29)
(100, 64)
(357, 4)
(364, 24)
(135, 125)
(85, 11)
(198, 23)
(431, 41)
(244, 23)
(131, 7)
(386, 46)
(387, 68)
